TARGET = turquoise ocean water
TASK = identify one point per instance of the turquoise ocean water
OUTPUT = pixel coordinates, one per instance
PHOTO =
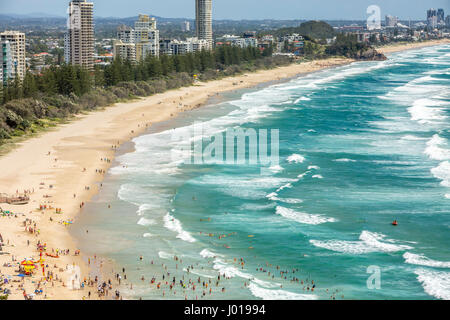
(360, 146)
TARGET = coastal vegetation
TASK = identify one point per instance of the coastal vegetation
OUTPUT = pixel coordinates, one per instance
(310, 30)
(348, 46)
(46, 99)
(321, 41)
(43, 100)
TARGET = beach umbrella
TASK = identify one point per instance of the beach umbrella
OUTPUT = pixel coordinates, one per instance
(28, 266)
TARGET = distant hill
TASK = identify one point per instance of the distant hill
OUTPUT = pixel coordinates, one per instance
(28, 16)
(105, 27)
(311, 29)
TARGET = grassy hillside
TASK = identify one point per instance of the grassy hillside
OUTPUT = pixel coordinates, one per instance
(310, 29)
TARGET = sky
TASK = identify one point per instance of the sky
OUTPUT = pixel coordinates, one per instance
(237, 9)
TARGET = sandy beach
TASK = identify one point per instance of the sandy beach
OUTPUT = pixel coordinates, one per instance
(410, 46)
(64, 168)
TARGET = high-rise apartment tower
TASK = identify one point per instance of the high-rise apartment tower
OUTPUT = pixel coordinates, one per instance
(203, 14)
(13, 51)
(79, 39)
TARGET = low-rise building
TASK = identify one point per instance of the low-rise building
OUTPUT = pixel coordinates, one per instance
(391, 21)
(175, 47)
(138, 43)
(238, 41)
(125, 50)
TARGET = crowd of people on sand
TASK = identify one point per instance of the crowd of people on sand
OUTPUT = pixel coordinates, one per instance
(36, 279)
(31, 227)
(36, 285)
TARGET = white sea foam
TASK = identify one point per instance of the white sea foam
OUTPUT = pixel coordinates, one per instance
(442, 172)
(242, 187)
(423, 111)
(290, 200)
(229, 271)
(266, 284)
(435, 283)
(257, 182)
(276, 168)
(303, 217)
(421, 260)
(436, 148)
(368, 242)
(296, 158)
(199, 274)
(256, 207)
(175, 225)
(317, 176)
(205, 253)
(411, 138)
(147, 235)
(447, 196)
(165, 255)
(302, 99)
(344, 160)
(302, 175)
(287, 185)
(142, 208)
(146, 222)
(274, 197)
(268, 294)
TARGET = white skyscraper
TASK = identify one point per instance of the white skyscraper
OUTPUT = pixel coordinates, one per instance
(391, 21)
(204, 20)
(79, 39)
(14, 43)
(432, 18)
(146, 37)
(186, 26)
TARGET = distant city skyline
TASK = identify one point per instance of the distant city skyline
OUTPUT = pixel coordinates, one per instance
(238, 9)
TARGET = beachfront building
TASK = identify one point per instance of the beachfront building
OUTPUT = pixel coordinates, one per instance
(125, 34)
(125, 50)
(447, 21)
(16, 51)
(268, 38)
(180, 47)
(165, 46)
(198, 44)
(203, 20)
(432, 18)
(146, 37)
(138, 43)
(242, 42)
(176, 47)
(186, 26)
(391, 21)
(440, 16)
(79, 39)
(6, 69)
(124, 46)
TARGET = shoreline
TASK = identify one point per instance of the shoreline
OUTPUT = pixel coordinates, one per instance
(72, 167)
(402, 46)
